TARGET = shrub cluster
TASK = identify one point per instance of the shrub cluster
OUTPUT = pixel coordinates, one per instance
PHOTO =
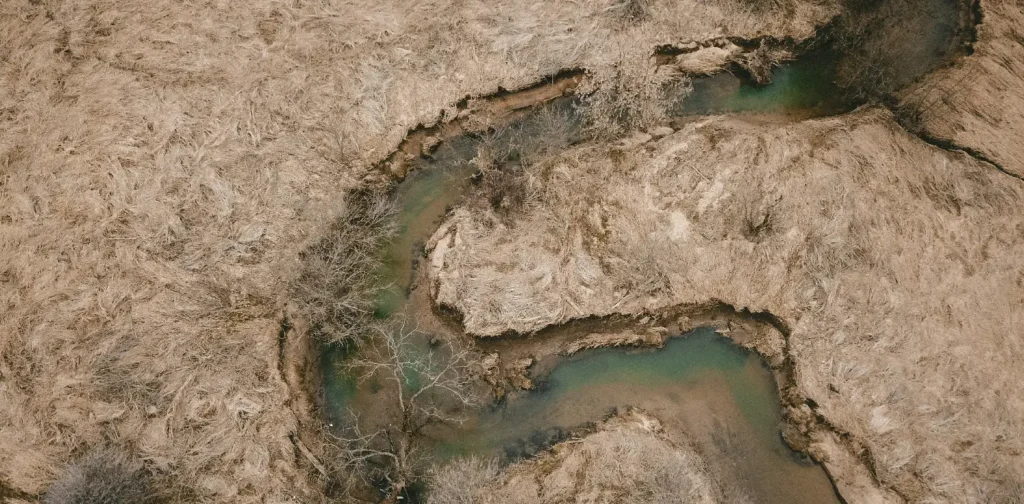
(338, 283)
(104, 476)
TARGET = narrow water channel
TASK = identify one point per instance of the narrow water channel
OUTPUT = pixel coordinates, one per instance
(799, 89)
(704, 388)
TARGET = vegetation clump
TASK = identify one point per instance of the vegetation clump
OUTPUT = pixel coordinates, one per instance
(338, 283)
(464, 481)
(104, 476)
(504, 186)
(631, 96)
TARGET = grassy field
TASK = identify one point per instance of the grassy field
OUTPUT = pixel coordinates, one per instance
(162, 166)
(896, 266)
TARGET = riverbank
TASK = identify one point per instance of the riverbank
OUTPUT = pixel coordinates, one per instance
(975, 105)
(879, 252)
(627, 458)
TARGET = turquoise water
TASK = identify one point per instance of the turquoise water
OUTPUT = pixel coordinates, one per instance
(702, 387)
(702, 384)
(720, 395)
(804, 88)
(683, 363)
(423, 199)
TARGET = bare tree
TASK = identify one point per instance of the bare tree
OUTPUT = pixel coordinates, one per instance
(423, 385)
(338, 283)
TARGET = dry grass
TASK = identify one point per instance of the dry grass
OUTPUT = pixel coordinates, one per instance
(505, 192)
(618, 102)
(976, 103)
(162, 166)
(504, 188)
(103, 477)
(897, 265)
(623, 462)
(464, 481)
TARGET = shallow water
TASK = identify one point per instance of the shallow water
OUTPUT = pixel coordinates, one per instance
(720, 395)
(423, 199)
(802, 88)
(703, 387)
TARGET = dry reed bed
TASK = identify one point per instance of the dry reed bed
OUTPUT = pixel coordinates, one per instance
(162, 164)
(896, 264)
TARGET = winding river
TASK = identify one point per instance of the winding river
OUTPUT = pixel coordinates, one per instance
(704, 388)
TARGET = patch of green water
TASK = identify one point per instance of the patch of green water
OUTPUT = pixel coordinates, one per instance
(804, 87)
(719, 395)
(595, 382)
(423, 199)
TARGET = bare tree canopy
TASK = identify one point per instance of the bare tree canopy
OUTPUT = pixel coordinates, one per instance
(423, 385)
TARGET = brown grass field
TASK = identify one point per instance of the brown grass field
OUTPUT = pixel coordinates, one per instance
(977, 103)
(162, 166)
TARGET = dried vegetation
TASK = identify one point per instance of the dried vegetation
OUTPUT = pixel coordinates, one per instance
(896, 265)
(976, 104)
(104, 476)
(887, 48)
(338, 285)
(162, 166)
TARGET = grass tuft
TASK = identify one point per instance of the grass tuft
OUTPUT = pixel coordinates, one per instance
(104, 476)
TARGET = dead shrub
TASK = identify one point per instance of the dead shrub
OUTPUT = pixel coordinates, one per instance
(338, 283)
(631, 96)
(103, 476)
(632, 11)
(506, 192)
(504, 157)
(464, 481)
(539, 135)
(756, 226)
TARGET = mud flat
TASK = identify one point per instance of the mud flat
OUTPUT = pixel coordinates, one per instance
(895, 264)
